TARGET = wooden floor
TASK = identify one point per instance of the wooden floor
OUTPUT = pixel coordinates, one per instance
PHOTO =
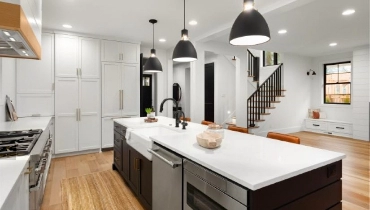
(355, 169)
(73, 166)
(355, 166)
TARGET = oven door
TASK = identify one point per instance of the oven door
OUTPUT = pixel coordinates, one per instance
(199, 195)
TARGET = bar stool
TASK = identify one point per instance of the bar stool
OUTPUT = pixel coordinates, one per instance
(284, 137)
(238, 129)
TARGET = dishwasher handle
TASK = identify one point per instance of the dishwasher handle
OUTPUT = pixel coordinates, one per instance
(171, 163)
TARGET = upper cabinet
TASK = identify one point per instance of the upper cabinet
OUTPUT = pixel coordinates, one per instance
(77, 57)
(115, 51)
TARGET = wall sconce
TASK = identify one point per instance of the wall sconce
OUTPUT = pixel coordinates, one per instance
(234, 58)
(313, 72)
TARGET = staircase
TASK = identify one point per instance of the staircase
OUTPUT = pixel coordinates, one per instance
(266, 94)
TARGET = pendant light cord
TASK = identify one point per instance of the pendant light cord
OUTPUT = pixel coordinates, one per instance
(153, 35)
(184, 13)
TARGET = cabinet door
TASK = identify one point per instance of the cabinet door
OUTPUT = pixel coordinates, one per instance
(107, 132)
(125, 159)
(145, 187)
(110, 51)
(111, 90)
(89, 122)
(37, 76)
(134, 169)
(35, 105)
(89, 57)
(131, 90)
(66, 58)
(130, 53)
(66, 124)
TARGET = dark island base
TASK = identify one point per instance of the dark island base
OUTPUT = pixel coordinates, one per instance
(317, 189)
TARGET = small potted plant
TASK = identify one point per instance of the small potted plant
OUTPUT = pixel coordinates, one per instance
(149, 113)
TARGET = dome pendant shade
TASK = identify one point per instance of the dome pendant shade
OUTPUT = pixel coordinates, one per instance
(184, 50)
(153, 64)
(249, 28)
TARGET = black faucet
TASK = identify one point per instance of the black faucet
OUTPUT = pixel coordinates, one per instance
(177, 118)
(184, 123)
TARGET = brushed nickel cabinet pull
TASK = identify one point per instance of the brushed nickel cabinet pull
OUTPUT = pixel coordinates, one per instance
(315, 125)
(122, 99)
(339, 128)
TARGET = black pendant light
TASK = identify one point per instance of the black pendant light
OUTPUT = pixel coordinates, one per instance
(249, 28)
(153, 65)
(184, 50)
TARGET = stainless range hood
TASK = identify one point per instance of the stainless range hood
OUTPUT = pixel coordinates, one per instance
(17, 36)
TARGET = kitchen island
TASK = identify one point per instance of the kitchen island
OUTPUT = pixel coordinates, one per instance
(276, 174)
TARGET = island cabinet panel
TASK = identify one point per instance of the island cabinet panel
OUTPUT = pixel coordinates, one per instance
(133, 167)
(317, 189)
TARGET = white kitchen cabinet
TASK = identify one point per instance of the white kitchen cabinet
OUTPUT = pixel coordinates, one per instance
(89, 122)
(89, 57)
(37, 76)
(19, 195)
(329, 127)
(29, 105)
(66, 115)
(66, 55)
(77, 57)
(107, 132)
(114, 51)
(120, 90)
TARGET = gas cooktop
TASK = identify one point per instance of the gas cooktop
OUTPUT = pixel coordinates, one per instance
(18, 142)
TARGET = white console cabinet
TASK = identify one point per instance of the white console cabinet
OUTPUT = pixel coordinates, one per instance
(329, 127)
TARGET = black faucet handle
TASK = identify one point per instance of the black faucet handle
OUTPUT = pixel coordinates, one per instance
(184, 124)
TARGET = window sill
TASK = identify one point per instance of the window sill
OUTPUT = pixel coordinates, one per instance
(336, 105)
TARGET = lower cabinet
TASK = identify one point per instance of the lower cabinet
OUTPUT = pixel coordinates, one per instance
(329, 127)
(133, 167)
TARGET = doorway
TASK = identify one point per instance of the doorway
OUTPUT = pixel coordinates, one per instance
(209, 92)
(146, 89)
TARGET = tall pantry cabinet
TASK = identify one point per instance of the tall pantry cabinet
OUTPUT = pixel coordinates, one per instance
(77, 94)
(120, 85)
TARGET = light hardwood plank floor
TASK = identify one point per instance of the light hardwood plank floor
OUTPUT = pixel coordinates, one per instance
(356, 170)
(73, 166)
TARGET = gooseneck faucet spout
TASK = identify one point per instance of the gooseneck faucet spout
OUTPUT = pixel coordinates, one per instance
(177, 107)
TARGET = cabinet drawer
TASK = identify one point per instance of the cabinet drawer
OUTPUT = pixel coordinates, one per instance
(118, 138)
(316, 125)
(339, 128)
(119, 129)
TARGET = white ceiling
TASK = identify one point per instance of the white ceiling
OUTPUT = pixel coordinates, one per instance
(313, 26)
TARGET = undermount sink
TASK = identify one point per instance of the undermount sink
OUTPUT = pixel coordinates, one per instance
(140, 138)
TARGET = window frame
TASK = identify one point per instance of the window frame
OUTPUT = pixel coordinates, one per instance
(350, 83)
(276, 62)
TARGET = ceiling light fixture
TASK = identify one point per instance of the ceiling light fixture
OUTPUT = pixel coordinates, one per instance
(12, 39)
(6, 33)
(193, 22)
(313, 72)
(184, 50)
(67, 26)
(283, 31)
(333, 44)
(162, 40)
(348, 12)
(249, 28)
(153, 65)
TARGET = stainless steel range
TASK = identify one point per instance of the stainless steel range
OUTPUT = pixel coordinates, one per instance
(37, 144)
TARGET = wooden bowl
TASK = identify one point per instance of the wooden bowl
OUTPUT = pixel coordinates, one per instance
(209, 140)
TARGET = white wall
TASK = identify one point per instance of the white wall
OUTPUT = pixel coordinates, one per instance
(333, 112)
(360, 94)
(7, 83)
(179, 76)
(290, 113)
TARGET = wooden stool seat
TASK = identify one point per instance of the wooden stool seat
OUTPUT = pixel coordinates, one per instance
(238, 129)
(207, 122)
(284, 137)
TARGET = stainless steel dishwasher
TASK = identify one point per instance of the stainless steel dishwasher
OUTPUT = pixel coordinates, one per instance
(167, 179)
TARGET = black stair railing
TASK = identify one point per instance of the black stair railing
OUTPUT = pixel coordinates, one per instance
(263, 97)
(253, 67)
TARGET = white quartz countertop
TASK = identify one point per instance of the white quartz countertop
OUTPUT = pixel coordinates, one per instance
(252, 161)
(12, 167)
(26, 124)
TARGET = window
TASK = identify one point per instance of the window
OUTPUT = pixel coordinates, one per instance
(271, 58)
(337, 83)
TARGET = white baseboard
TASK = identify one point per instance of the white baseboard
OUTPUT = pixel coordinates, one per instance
(280, 130)
(77, 153)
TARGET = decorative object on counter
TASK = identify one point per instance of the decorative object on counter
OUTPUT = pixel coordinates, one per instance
(11, 114)
(184, 50)
(209, 140)
(313, 72)
(153, 65)
(284, 137)
(250, 28)
(214, 128)
(150, 120)
(310, 112)
(150, 113)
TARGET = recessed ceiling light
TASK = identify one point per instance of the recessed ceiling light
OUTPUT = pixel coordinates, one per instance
(162, 40)
(23, 51)
(193, 22)
(283, 31)
(67, 26)
(348, 12)
(12, 39)
(26, 54)
(6, 33)
(333, 44)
